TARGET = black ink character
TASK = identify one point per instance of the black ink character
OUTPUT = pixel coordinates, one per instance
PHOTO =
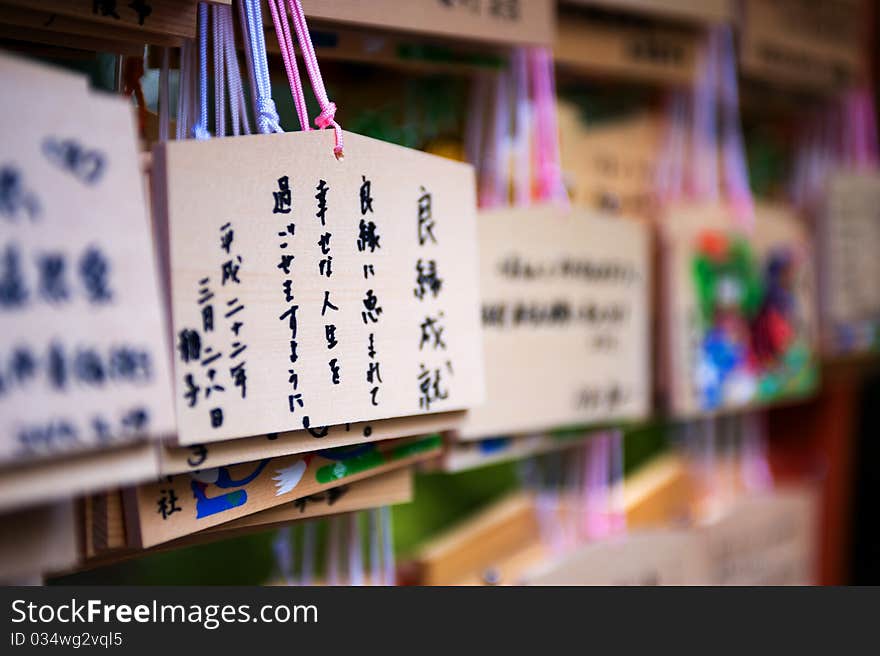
(315, 432)
(52, 287)
(429, 388)
(143, 9)
(94, 268)
(130, 365)
(334, 371)
(208, 318)
(235, 310)
(14, 198)
(282, 196)
(86, 165)
(325, 266)
(23, 365)
(213, 386)
(426, 219)
(284, 264)
(192, 391)
(13, 293)
(371, 303)
(105, 8)
(199, 455)
(294, 400)
(189, 344)
(368, 271)
(371, 348)
(290, 315)
(239, 378)
(366, 198)
(367, 236)
(135, 420)
(227, 234)
(327, 304)
(373, 393)
(324, 243)
(57, 367)
(321, 197)
(210, 356)
(88, 368)
(216, 417)
(427, 279)
(330, 335)
(167, 503)
(205, 293)
(373, 373)
(230, 270)
(288, 290)
(432, 333)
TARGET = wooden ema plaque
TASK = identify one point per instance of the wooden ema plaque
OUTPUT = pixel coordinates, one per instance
(309, 292)
(741, 325)
(84, 360)
(183, 504)
(565, 320)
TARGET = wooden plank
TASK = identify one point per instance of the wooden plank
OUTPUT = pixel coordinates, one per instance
(503, 539)
(561, 287)
(36, 541)
(85, 33)
(392, 488)
(84, 362)
(765, 539)
(611, 166)
(170, 17)
(848, 236)
(463, 456)
(693, 11)
(66, 40)
(749, 300)
(814, 45)
(657, 54)
(176, 460)
(62, 478)
(183, 504)
(394, 330)
(517, 23)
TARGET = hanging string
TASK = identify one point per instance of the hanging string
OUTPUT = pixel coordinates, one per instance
(548, 172)
(266, 113)
(617, 500)
(282, 548)
(522, 173)
(288, 56)
(333, 544)
(703, 178)
(474, 130)
(308, 553)
(493, 187)
(736, 174)
(388, 562)
(355, 551)
(218, 41)
(200, 129)
(328, 109)
(670, 172)
(248, 56)
(164, 93)
(184, 87)
(237, 104)
(374, 528)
